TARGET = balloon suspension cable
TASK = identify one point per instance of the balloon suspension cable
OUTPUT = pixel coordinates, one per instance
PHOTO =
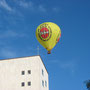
(49, 52)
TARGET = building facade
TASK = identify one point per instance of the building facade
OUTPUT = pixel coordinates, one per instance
(26, 73)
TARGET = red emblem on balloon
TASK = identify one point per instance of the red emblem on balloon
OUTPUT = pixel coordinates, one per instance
(44, 32)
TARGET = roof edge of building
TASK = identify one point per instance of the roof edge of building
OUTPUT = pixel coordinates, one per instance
(19, 57)
(25, 57)
(43, 63)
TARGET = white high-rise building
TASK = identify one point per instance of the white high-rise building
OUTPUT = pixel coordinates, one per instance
(25, 73)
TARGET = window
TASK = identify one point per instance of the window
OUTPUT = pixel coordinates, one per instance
(42, 83)
(42, 72)
(29, 71)
(22, 84)
(46, 83)
(23, 72)
(29, 83)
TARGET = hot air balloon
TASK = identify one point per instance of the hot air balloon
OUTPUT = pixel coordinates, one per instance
(48, 34)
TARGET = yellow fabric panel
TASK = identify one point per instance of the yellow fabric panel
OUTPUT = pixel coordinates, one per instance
(48, 34)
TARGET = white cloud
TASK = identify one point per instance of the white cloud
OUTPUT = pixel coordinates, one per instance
(10, 33)
(31, 6)
(26, 4)
(5, 5)
(41, 8)
(7, 53)
(66, 65)
(55, 9)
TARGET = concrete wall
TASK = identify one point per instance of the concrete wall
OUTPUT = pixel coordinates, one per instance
(11, 74)
(43, 77)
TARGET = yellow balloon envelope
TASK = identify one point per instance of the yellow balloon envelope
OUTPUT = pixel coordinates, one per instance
(48, 34)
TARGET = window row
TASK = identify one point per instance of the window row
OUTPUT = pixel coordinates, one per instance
(44, 83)
(23, 84)
(42, 72)
(23, 72)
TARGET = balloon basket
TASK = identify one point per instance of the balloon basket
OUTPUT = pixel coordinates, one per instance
(49, 52)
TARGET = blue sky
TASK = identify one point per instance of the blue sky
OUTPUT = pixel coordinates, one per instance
(69, 63)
